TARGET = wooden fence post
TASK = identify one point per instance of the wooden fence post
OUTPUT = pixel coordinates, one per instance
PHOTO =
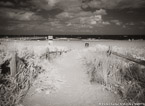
(13, 67)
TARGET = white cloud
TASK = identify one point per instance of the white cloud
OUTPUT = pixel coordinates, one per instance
(83, 18)
(105, 23)
(130, 24)
(117, 22)
(20, 16)
(44, 4)
(127, 25)
(100, 12)
(64, 15)
(72, 14)
(92, 21)
(52, 2)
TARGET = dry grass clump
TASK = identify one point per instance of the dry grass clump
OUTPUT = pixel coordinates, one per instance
(134, 75)
(117, 75)
(13, 89)
(31, 61)
(137, 53)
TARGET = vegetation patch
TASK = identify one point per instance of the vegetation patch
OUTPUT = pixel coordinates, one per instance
(29, 64)
(117, 74)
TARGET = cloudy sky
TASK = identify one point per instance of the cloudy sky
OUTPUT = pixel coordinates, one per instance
(97, 17)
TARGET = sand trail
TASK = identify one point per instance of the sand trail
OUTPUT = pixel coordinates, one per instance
(73, 86)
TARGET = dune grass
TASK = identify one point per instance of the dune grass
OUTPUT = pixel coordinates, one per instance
(30, 62)
(116, 74)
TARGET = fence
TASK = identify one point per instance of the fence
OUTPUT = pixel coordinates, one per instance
(138, 61)
(119, 72)
(15, 85)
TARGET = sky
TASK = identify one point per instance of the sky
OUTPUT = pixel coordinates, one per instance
(94, 17)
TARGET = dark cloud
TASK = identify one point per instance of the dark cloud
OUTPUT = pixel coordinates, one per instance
(16, 14)
(71, 4)
(6, 4)
(88, 16)
(74, 5)
(16, 3)
(12, 1)
(51, 4)
(143, 22)
(113, 4)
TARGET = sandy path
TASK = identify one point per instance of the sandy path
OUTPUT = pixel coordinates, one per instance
(75, 89)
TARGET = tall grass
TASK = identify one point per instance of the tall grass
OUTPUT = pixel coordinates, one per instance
(30, 62)
(118, 75)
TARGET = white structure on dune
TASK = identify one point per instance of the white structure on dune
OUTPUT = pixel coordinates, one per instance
(50, 40)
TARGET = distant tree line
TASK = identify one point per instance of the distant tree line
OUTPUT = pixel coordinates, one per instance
(117, 37)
